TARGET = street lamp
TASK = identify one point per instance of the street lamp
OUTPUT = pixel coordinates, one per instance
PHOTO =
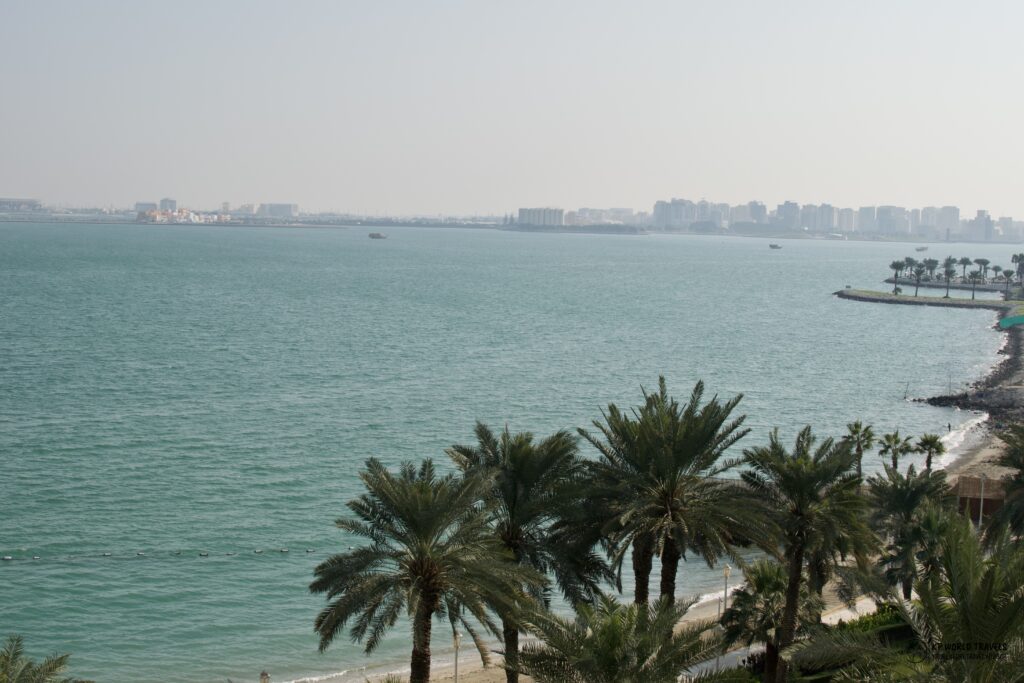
(457, 637)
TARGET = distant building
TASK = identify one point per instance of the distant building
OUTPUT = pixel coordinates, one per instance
(758, 212)
(279, 210)
(541, 217)
(847, 220)
(949, 220)
(787, 215)
(930, 217)
(809, 217)
(14, 204)
(981, 228)
(146, 207)
(826, 217)
(168, 204)
(892, 220)
(867, 220)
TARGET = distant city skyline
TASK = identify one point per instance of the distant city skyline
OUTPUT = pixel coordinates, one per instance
(461, 108)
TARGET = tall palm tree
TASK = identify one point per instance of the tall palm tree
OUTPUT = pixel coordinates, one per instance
(948, 271)
(964, 261)
(860, 438)
(996, 270)
(1008, 279)
(610, 642)
(1010, 517)
(974, 277)
(15, 667)
(982, 264)
(967, 625)
(814, 495)
(896, 446)
(930, 265)
(657, 474)
(909, 262)
(1018, 260)
(931, 445)
(532, 485)
(755, 614)
(430, 552)
(919, 271)
(898, 503)
(896, 267)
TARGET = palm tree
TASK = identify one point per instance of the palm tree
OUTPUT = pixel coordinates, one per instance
(930, 265)
(948, 271)
(931, 445)
(1018, 261)
(896, 267)
(996, 270)
(896, 447)
(609, 642)
(532, 485)
(982, 263)
(814, 496)
(964, 261)
(1010, 517)
(755, 614)
(908, 264)
(1007, 278)
(967, 624)
(430, 552)
(860, 438)
(898, 503)
(974, 277)
(919, 271)
(657, 476)
(15, 667)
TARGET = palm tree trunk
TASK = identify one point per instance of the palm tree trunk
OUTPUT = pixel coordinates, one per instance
(928, 461)
(787, 629)
(510, 631)
(947, 287)
(973, 285)
(917, 286)
(421, 625)
(860, 459)
(908, 586)
(669, 568)
(643, 561)
(771, 661)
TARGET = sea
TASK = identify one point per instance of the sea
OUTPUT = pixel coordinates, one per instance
(184, 410)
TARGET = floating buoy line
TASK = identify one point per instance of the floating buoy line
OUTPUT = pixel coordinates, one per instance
(142, 554)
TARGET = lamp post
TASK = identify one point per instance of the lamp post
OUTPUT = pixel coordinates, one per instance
(457, 637)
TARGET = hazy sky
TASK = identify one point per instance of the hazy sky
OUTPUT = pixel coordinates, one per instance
(478, 106)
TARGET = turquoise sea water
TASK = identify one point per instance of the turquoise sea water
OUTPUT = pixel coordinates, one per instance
(193, 389)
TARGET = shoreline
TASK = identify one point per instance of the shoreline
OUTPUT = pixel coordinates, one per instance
(998, 395)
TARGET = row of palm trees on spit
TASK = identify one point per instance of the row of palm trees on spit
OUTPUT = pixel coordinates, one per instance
(925, 270)
(486, 548)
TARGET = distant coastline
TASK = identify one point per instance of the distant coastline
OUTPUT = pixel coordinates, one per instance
(633, 230)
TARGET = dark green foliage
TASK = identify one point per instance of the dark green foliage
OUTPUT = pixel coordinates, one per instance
(431, 552)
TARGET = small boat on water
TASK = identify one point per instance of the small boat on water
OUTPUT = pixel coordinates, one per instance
(920, 248)
(377, 236)
(775, 246)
